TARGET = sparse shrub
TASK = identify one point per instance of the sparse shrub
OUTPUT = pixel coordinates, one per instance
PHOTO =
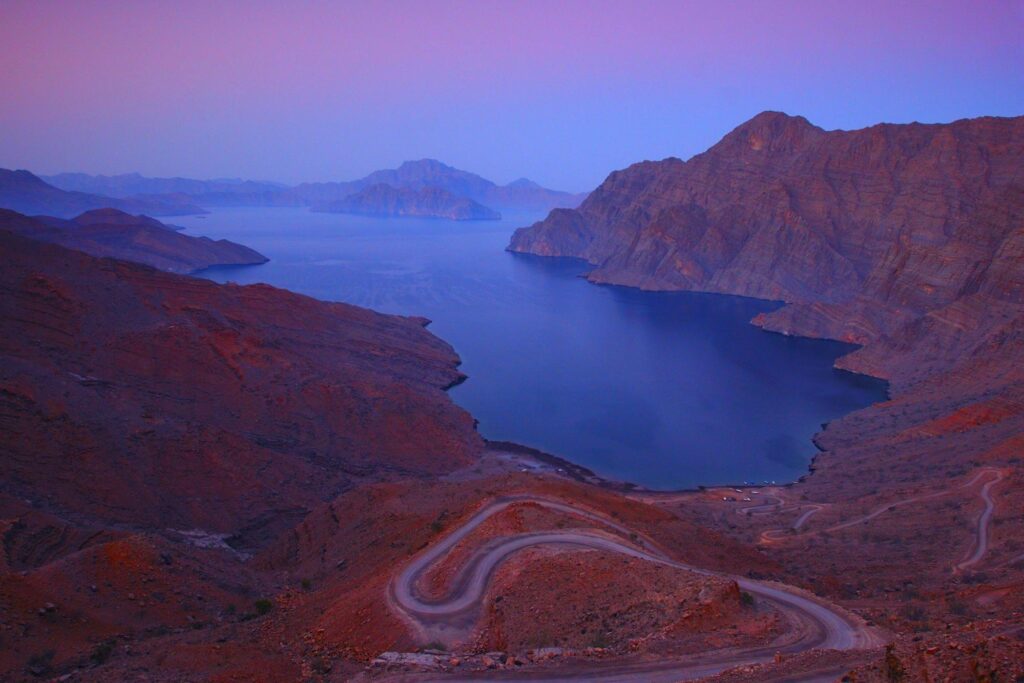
(39, 665)
(913, 613)
(101, 653)
(437, 526)
(306, 584)
(894, 669)
(538, 639)
(746, 599)
(263, 606)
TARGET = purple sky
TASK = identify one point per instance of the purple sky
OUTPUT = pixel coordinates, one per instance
(561, 92)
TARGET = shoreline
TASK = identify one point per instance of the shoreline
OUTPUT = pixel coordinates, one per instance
(581, 473)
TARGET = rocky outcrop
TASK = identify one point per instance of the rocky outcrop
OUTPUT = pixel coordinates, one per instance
(424, 202)
(25, 193)
(907, 238)
(115, 234)
(146, 400)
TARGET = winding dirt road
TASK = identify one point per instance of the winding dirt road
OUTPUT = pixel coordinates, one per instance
(980, 546)
(762, 508)
(802, 519)
(815, 624)
(981, 534)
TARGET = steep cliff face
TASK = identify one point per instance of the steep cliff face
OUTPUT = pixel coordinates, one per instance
(867, 234)
(155, 401)
(115, 234)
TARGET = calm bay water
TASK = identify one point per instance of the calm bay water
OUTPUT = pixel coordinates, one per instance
(666, 390)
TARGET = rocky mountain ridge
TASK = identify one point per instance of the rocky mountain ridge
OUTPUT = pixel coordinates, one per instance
(870, 236)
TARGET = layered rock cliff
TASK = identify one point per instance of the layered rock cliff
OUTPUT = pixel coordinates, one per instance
(115, 234)
(893, 236)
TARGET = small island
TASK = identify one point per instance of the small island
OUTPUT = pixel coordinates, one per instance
(424, 202)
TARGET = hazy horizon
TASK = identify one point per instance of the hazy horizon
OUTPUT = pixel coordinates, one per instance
(561, 94)
(273, 180)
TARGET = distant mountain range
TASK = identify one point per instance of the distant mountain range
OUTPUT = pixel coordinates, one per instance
(115, 234)
(129, 184)
(520, 195)
(26, 193)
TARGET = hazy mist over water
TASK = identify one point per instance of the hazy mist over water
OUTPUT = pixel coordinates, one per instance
(666, 390)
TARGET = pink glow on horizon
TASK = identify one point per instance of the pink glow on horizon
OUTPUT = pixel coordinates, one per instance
(93, 85)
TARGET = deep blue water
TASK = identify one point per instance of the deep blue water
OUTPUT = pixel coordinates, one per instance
(666, 390)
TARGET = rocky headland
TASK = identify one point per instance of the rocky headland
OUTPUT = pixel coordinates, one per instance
(115, 234)
(866, 235)
(905, 239)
